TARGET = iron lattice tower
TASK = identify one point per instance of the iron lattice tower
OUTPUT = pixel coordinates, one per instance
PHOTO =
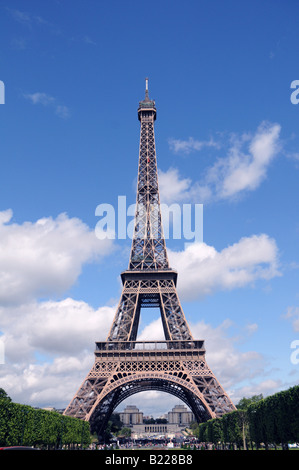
(124, 366)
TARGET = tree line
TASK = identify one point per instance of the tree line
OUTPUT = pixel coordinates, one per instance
(22, 425)
(273, 421)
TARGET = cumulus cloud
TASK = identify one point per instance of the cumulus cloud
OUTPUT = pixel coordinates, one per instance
(46, 383)
(176, 189)
(264, 387)
(203, 269)
(56, 327)
(45, 257)
(242, 169)
(57, 340)
(245, 170)
(227, 362)
(57, 337)
(172, 187)
(152, 332)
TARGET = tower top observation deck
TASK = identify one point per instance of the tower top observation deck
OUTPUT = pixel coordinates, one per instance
(146, 105)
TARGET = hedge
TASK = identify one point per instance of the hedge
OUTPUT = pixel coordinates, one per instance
(273, 420)
(27, 426)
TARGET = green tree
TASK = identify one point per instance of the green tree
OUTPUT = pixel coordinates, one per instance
(24, 425)
(3, 395)
(194, 428)
(244, 403)
(116, 423)
(126, 432)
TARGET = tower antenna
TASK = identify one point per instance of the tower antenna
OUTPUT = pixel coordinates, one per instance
(146, 89)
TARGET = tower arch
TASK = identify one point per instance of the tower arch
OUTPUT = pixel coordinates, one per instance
(105, 405)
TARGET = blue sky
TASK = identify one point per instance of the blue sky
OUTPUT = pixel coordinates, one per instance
(226, 137)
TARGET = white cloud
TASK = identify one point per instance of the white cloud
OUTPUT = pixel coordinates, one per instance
(45, 257)
(293, 313)
(48, 345)
(46, 384)
(243, 169)
(203, 270)
(62, 111)
(40, 98)
(56, 340)
(251, 328)
(186, 146)
(46, 100)
(152, 332)
(265, 387)
(230, 365)
(21, 16)
(27, 19)
(57, 343)
(172, 188)
(66, 327)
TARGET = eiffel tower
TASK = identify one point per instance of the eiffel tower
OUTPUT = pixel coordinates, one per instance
(124, 366)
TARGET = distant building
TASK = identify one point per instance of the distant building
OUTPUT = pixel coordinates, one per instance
(180, 415)
(151, 431)
(50, 408)
(131, 415)
(177, 420)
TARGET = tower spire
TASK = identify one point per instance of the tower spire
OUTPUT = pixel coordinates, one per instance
(148, 246)
(146, 90)
(148, 264)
